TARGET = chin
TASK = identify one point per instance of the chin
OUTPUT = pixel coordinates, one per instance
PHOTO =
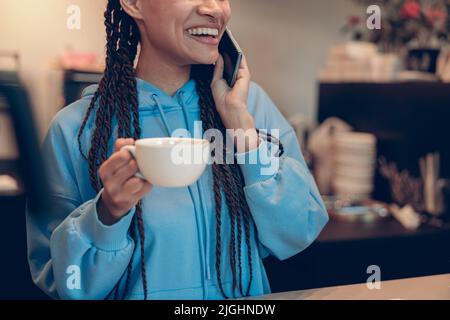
(206, 58)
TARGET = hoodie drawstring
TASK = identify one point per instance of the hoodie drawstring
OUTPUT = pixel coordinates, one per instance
(202, 203)
(163, 116)
(203, 255)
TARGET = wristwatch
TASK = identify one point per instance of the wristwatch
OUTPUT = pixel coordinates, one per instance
(266, 136)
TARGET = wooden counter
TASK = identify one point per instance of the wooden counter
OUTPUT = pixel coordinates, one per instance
(423, 288)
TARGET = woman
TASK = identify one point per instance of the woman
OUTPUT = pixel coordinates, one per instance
(110, 235)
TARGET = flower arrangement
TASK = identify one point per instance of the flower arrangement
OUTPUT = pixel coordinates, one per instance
(411, 23)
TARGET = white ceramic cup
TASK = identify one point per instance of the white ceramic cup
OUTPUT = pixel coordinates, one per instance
(170, 162)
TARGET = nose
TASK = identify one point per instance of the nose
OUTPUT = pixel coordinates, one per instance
(210, 8)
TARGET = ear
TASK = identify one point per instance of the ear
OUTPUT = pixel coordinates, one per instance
(132, 8)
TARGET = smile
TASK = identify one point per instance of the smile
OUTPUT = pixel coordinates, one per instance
(208, 36)
(204, 32)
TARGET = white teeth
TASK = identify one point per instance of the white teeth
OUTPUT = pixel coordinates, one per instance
(204, 31)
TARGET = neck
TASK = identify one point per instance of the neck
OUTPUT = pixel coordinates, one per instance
(160, 71)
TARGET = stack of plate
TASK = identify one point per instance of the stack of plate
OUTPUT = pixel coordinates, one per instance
(355, 162)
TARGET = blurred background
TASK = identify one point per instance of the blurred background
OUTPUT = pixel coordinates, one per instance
(366, 89)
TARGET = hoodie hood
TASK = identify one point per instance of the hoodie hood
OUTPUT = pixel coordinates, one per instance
(147, 92)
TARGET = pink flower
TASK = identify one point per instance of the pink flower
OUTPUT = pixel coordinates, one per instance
(435, 16)
(410, 10)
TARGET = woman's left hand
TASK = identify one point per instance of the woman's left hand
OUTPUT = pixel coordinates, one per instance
(231, 104)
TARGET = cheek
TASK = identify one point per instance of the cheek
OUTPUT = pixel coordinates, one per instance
(161, 32)
(227, 12)
(166, 34)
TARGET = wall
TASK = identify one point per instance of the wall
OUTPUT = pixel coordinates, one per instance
(285, 42)
(37, 30)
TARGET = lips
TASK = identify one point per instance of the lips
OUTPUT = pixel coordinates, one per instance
(205, 34)
(209, 40)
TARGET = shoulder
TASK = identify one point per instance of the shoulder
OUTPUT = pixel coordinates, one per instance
(62, 134)
(257, 97)
(264, 111)
(259, 102)
(61, 151)
(68, 120)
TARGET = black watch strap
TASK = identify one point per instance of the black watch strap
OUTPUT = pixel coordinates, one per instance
(266, 136)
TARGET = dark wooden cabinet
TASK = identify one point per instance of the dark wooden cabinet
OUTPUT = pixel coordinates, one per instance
(409, 119)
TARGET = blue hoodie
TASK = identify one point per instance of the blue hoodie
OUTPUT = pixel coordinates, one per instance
(72, 255)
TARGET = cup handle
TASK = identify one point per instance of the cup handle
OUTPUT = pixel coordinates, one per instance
(132, 150)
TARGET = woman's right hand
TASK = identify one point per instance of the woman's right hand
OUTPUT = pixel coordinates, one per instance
(122, 190)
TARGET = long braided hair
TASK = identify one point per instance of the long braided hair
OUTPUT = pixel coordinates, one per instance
(117, 99)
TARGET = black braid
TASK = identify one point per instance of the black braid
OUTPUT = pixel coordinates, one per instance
(231, 179)
(117, 98)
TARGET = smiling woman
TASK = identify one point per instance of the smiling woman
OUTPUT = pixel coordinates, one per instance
(205, 241)
(173, 31)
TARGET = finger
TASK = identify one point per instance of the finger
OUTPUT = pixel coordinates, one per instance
(144, 190)
(125, 172)
(114, 163)
(136, 187)
(243, 76)
(218, 70)
(133, 190)
(243, 68)
(132, 186)
(219, 85)
(120, 143)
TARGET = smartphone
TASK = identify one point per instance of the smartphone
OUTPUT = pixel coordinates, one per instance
(232, 56)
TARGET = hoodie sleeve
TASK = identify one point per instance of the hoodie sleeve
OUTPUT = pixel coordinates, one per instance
(69, 250)
(282, 195)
